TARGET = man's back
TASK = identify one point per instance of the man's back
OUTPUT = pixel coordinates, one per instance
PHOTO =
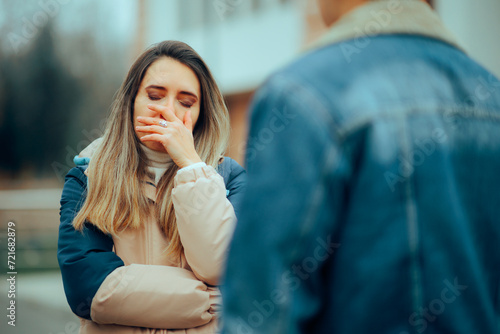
(389, 213)
(418, 124)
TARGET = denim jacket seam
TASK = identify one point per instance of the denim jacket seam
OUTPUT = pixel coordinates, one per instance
(475, 113)
(412, 225)
(330, 163)
(394, 113)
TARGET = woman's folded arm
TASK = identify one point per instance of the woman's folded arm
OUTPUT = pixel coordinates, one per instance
(153, 296)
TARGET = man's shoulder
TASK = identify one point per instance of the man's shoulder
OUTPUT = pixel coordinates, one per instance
(347, 82)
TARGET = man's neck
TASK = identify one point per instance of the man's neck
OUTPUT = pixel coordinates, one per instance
(332, 11)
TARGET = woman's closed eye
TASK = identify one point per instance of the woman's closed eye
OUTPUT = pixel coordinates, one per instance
(154, 97)
(186, 104)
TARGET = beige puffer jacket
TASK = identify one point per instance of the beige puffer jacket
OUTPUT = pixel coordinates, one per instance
(154, 293)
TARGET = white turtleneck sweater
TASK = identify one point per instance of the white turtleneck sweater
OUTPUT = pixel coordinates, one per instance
(159, 162)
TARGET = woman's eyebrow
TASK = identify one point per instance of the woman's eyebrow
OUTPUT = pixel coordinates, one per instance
(185, 92)
(156, 87)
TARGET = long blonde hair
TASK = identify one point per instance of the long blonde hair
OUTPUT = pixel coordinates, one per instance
(115, 197)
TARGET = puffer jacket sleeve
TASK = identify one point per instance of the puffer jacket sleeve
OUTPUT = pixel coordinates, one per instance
(87, 258)
(154, 296)
(205, 219)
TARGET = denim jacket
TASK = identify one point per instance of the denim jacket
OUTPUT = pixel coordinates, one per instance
(373, 199)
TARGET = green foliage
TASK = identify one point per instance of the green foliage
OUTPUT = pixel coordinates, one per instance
(38, 92)
(47, 108)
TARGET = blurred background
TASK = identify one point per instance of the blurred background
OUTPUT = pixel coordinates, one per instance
(61, 61)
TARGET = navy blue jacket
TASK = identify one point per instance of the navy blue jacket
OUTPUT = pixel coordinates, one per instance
(87, 258)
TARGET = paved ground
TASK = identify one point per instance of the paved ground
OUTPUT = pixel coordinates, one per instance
(30, 199)
(36, 216)
(41, 306)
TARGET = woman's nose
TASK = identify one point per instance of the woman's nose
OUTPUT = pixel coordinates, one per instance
(169, 105)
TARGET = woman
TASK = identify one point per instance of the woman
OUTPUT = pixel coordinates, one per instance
(145, 228)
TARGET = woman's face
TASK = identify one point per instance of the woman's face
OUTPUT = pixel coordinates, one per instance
(171, 84)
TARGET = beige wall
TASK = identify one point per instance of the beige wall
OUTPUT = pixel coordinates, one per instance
(238, 105)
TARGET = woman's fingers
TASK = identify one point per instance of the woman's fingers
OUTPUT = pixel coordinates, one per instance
(154, 137)
(151, 129)
(188, 121)
(148, 120)
(152, 121)
(168, 114)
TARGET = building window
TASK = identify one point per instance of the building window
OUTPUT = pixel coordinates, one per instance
(199, 13)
